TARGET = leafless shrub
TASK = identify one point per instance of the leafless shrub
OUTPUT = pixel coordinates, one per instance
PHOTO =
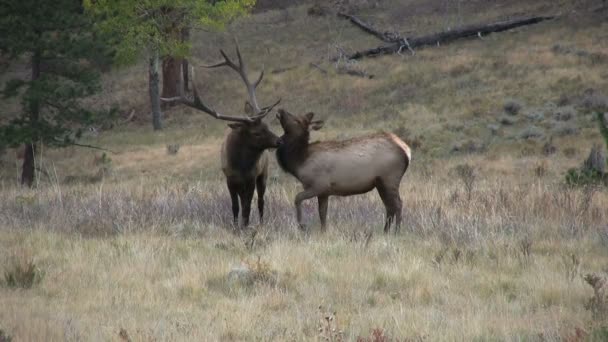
(261, 270)
(22, 273)
(467, 175)
(494, 129)
(512, 107)
(525, 248)
(549, 148)
(351, 67)
(362, 238)
(328, 327)
(531, 132)
(564, 114)
(469, 146)
(250, 273)
(541, 169)
(596, 161)
(380, 335)
(5, 337)
(564, 129)
(594, 101)
(570, 152)
(173, 149)
(318, 10)
(598, 58)
(598, 304)
(507, 121)
(438, 257)
(123, 334)
(573, 266)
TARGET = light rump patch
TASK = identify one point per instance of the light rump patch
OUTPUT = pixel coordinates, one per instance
(402, 145)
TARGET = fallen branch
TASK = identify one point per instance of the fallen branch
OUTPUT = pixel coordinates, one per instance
(386, 36)
(316, 66)
(93, 147)
(445, 37)
(353, 72)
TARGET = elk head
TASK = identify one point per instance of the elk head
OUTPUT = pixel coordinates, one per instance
(298, 127)
(256, 132)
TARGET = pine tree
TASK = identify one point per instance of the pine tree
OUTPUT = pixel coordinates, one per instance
(152, 29)
(63, 54)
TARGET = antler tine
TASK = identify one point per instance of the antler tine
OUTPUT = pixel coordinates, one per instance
(226, 62)
(264, 111)
(259, 78)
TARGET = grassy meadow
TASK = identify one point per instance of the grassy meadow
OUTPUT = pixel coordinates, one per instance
(137, 245)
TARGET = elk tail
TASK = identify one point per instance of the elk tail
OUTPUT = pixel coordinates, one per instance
(403, 146)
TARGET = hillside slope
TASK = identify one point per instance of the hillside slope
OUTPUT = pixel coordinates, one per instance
(448, 101)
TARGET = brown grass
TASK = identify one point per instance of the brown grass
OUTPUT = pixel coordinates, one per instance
(153, 258)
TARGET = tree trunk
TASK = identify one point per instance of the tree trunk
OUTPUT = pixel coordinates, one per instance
(172, 68)
(28, 169)
(154, 88)
(185, 38)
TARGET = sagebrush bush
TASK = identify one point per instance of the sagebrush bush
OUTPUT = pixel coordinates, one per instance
(22, 274)
(467, 175)
(512, 107)
(598, 304)
(5, 337)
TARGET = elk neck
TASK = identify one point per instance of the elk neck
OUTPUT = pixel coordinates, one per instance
(241, 155)
(292, 153)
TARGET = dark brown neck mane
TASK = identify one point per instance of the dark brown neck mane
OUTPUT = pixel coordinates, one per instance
(241, 155)
(293, 152)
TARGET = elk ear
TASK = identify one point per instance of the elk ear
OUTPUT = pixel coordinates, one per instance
(235, 125)
(248, 108)
(316, 125)
(308, 116)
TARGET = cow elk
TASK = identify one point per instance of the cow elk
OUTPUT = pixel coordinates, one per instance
(342, 168)
(244, 158)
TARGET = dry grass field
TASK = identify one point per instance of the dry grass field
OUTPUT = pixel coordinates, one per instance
(138, 245)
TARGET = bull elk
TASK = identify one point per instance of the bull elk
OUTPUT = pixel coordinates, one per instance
(342, 168)
(244, 158)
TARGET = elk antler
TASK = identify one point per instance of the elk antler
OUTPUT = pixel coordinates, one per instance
(197, 103)
(241, 69)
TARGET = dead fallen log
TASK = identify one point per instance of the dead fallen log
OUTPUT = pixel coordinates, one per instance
(445, 37)
(387, 36)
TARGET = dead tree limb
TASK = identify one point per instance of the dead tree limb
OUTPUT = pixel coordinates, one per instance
(445, 37)
(386, 36)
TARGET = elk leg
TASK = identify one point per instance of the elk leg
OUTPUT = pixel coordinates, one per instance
(246, 197)
(300, 197)
(233, 189)
(395, 208)
(387, 200)
(323, 200)
(398, 210)
(261, 187)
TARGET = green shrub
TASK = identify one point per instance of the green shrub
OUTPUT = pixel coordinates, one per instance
(4, 337)
(577, 177)
(22, 275)
(593, 171)
(598, 334)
